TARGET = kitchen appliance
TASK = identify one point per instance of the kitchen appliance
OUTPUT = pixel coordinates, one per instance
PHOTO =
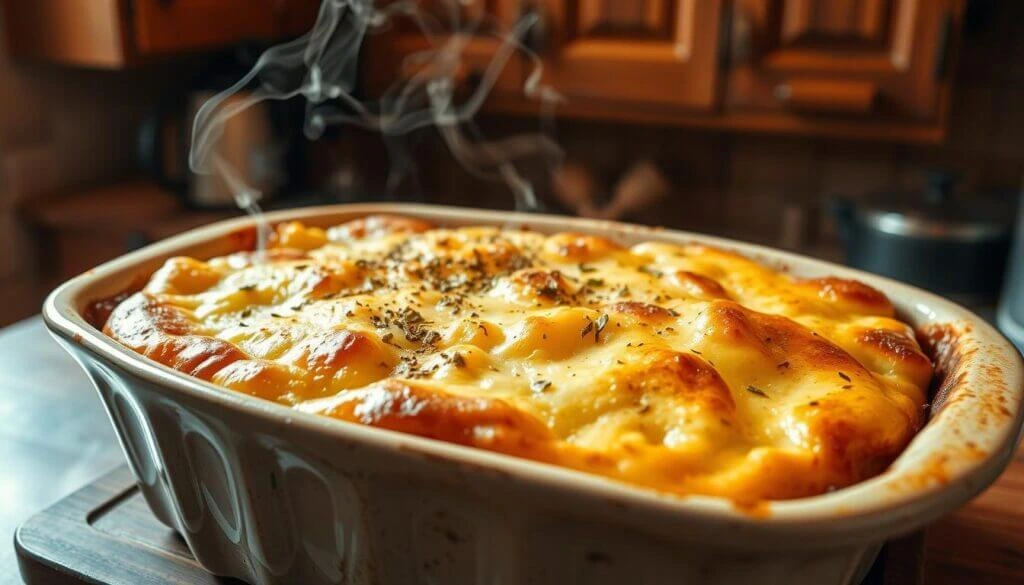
(271, 495)
(952, 243)
(1010, 315)
(248, 144)
(262, 142)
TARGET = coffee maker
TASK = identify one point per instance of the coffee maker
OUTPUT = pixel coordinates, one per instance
(262, 143)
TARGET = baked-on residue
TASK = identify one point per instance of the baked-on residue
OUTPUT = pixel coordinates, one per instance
(683, 368)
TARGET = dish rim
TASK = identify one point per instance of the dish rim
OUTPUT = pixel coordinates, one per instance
(911, 484)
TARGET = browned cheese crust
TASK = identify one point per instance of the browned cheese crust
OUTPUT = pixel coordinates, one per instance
(683, 368)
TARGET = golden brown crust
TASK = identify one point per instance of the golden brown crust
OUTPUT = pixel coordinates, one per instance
(687, 369)
(575, 247)
(184, 276)
(685, 376)
(375, 226)
(851, 294)
(644, 311)
(412, 408)
(541, 286)
(161, 333)
(699, 285)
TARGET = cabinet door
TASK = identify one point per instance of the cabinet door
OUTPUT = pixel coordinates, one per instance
(166, 26)
(295, 17)
(477, 26)
(883, 58)
(658, 52)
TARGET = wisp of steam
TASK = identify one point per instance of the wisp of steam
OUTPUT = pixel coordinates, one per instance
(321, 66)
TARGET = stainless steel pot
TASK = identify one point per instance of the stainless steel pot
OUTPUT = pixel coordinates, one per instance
(1011, 304)
(952, 244)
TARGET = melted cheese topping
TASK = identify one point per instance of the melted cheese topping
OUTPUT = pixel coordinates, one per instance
(687, 369)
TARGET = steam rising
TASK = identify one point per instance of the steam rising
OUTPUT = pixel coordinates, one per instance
(321, 66)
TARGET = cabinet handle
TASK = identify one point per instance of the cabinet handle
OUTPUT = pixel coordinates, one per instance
(840, 97)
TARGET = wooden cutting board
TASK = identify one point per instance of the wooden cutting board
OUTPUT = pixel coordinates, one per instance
(105, 533)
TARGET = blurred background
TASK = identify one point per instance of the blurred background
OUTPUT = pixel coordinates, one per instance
(882, 133)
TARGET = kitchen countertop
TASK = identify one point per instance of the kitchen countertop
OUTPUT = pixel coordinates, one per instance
(56, 438)
(55, 435)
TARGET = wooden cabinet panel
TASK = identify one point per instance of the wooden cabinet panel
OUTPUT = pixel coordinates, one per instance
(120, 33)
(75, 32)
(867, 68)
(644, 19)
(656, 52)
(883, 58)
(479, 27)
(853, 68)
(856, 21)
(295, 17)
(165, 26)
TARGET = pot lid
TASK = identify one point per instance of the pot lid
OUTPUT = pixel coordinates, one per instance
(938, 212)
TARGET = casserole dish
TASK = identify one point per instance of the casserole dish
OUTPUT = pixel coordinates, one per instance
(270, 495)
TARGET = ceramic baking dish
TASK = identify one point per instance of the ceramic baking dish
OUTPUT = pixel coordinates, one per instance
(270, 495)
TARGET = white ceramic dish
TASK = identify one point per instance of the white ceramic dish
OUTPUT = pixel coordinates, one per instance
(270, 495)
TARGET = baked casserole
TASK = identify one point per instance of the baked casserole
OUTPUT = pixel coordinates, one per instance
(683, 368)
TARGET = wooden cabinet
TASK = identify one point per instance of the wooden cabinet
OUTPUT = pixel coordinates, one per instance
(472, 30)
(661, 53)
(868, 59)
(168, 26)
(597, 53)
(850, 68)
(118, 33)
(295, 17)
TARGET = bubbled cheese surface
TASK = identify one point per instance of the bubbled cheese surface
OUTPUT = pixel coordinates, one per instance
(686, 369)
